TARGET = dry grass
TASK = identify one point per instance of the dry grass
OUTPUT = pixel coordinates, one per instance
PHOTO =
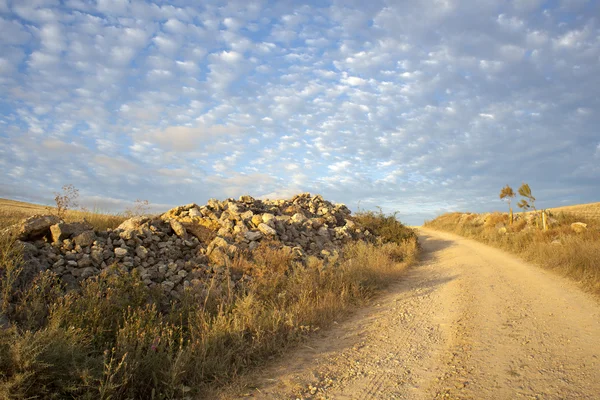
(113, 339)
(576, 255)
(587, 211)
(11, 212)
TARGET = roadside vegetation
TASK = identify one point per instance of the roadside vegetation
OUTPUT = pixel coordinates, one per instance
(566, 242)
(115, 339)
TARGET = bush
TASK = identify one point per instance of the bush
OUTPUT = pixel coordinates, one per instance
(387, 227)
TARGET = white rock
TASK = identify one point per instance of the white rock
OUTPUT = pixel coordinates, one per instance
(253, 235)
(194, 212)
(267, 230)
(120, 252)
(266, 217)
(298, 218)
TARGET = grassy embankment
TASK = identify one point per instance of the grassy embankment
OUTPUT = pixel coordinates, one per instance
(575, 255)
(111, 340)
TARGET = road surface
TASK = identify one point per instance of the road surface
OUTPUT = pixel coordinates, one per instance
(468, 322)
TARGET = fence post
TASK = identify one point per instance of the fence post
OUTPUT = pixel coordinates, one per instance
(544, 220)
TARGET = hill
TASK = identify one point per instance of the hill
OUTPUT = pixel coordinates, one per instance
(588, 211)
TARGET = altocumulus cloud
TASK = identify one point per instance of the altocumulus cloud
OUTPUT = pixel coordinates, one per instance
(419, 107)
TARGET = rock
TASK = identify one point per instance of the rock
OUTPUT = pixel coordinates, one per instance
(202, 233)
(299, 218)
(85, 239)
(257, 220)
(62, 231)
(323, 231)
(97, 256)
(194, 212)
(267, 230)
(84, 262)
(36, 227)
(178, 228)
(87, 272)
(246, 199)
(120, 252)
(141, 252)
(253, 235)
(579, 227)
(267, 217)
(133, 223)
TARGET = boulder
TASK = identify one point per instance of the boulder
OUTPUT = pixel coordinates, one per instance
(267, 217)
(253, 235)
(178, 228)
(299, 218)
(36, 227)
(133, 223)
(120, 252)
(141, 252)
(266, 229)
(194, 212)
(85, 239)
(62, 231)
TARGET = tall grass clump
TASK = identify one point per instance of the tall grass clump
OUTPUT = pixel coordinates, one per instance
(560, 248)
(386, 227)
(114, 338)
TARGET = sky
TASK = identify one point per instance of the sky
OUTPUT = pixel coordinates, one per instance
(419, 107)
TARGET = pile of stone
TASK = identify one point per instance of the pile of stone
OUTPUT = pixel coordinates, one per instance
(189, 245)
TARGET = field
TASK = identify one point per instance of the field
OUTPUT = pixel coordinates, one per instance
(588, 211)
(561, 249)
(12, 211)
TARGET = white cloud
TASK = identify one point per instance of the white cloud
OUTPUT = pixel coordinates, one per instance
(392, 104)
(186, 139)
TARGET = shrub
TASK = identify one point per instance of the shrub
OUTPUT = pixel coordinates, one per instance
(387, 227)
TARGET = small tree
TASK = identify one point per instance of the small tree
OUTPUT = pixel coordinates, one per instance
(528, 201)
(507, 194)
(66, 200)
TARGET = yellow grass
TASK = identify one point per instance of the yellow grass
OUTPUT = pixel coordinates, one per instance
(575, 255)
(588, 211)
(12, 211)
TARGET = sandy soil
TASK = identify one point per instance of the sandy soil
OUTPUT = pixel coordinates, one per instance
(469, 322)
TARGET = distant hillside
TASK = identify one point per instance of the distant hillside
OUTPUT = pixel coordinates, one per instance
(589, 210)
(12, 211)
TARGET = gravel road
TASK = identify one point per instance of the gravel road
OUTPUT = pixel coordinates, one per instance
(468, 322)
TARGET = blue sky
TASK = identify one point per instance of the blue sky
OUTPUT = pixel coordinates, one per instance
(417, 107)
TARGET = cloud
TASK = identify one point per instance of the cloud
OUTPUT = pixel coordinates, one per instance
(416, 106)
(185, 139)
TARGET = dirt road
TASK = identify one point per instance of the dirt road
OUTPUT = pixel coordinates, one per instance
(469, 322)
